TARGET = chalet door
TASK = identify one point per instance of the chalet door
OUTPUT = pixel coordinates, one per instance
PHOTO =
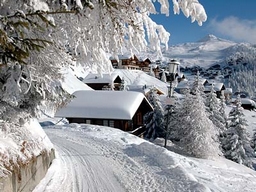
(139, 120)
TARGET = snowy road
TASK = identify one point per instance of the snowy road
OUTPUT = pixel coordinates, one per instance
(87, 163)
(84, 166)
(93, 158)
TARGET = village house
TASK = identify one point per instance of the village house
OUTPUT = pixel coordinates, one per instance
(119, 109)
(185, 85)
(218, 88)
(246, 101)
(145, 89)
(134, 63)
(103, 82)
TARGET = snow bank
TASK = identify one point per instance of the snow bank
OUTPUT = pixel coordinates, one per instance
(18, 145)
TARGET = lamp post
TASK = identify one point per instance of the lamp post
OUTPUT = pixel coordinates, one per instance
(173, 66)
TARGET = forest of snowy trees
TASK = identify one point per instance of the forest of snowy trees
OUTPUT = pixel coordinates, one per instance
(201, 127)
(243, 63)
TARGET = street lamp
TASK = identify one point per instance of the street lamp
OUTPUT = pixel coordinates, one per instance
(173, 66)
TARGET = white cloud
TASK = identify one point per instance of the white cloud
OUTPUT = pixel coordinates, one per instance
(235, 28)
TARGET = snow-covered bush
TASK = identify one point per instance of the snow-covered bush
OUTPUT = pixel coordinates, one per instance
(236, 143)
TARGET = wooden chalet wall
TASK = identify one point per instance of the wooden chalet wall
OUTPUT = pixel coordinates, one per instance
(125, 125)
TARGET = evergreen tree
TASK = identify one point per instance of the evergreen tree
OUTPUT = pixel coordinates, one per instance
(253, 141)
(213, 106)
(154, 120)
(172, 123)
(198, 134)
(223, 108)
(122, 85)
(197, 86)
(236, 143)
(163, 77)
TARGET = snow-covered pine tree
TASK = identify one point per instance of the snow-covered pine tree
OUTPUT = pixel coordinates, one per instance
(172, 123)
(223, 108)
(253, 141)
(213, 107)
(122, 85)
(197, 86)
(243, 74)
(154, 120)
(163, 77)
(236, 144)
(198, 134)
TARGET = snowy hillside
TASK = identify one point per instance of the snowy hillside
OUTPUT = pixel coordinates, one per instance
(205, 52)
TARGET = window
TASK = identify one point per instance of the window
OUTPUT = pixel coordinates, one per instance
(105, 122)
(111, 123)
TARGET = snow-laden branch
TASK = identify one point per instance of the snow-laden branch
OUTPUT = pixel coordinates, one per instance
(190, 8)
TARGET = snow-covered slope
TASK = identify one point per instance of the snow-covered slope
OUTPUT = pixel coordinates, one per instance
(205, 52)
(96, 158)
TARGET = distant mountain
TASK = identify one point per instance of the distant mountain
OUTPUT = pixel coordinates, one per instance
(208, 51)
(211, 37)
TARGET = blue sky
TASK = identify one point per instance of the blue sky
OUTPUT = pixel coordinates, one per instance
(229, 19)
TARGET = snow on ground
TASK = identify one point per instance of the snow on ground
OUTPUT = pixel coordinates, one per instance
(250, 116)
(95, 158)
(18, 146)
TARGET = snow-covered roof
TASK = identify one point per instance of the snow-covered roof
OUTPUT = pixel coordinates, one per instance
(71, 83)
(184, 84)
(140, 78)
(103, 105)
(216, 87)
(245, 101)
(181, 75)
(96, 78)
(228, 90)
(203, 81)
(144, 89)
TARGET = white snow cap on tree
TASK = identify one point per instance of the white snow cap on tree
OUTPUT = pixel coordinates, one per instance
(85, 33)
(190, 8)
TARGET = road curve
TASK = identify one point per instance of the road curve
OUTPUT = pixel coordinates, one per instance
(88, 163)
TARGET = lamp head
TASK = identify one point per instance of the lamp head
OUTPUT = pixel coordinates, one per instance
(173, 66)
